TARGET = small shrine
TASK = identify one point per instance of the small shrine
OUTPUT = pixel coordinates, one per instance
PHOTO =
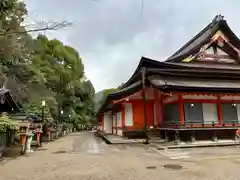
(30, 130)
(8, 127)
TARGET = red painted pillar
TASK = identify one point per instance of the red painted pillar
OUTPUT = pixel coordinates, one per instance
(157, 106)
(181, 109)
(38, 139)
(162, 109)
(23, 140)
(219, 110)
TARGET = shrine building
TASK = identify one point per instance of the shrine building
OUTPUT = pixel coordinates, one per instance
(192, 95)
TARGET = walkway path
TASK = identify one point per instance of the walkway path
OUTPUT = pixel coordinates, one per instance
(81, 156)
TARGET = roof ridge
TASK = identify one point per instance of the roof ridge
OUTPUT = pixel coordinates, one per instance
(216, 20)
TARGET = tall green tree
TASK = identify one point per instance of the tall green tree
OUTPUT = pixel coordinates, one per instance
(62, 71)
(42, 69)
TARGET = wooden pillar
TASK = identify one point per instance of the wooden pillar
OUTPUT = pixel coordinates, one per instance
(103, 123)
(116, 123)
(49, 135)
(23, 141)
(143, 72)
(38, 134)
(162, 109)
(112, 123)
(157, 107)
(181, 109)
(219, 110)
(177, 137)
(193, 137)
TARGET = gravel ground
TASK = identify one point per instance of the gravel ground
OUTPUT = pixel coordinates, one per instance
(81, 156)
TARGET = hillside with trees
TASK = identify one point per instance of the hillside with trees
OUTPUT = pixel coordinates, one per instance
(101, 96)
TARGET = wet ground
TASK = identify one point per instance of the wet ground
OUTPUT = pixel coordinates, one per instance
(84, 156)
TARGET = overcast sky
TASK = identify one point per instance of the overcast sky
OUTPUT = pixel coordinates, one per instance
(112, 35)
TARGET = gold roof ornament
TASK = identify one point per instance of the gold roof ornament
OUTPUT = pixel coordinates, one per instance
(188, 59)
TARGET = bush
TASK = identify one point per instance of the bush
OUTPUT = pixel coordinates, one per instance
(7, 124)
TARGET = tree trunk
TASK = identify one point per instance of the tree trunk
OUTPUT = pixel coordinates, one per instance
(59, 119)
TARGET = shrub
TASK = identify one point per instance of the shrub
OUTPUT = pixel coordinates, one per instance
(7, 124)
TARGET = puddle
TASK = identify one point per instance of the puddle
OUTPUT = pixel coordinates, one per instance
(59, 152)
(173, 166)
(41, 149)
(121, 147)
(151, 167)
(235, 161)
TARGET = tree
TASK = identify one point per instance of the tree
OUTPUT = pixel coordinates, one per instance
(12, 16)
(42, 69)
(61, 69)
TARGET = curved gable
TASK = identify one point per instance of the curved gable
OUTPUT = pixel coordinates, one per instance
(218, 27)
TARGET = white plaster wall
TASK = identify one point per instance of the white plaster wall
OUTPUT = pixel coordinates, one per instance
(199, 97)
(119, 119)
(210, 113)
(128, 115)
(114, 120)
(107, 123)
(238, 112)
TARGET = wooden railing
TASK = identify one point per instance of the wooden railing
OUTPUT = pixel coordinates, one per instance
(198, 124)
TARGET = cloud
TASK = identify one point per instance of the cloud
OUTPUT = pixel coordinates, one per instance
(111, 36)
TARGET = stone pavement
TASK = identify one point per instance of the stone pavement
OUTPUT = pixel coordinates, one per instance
(81, 156)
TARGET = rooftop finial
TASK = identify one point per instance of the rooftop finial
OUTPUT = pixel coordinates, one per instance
(218, 18)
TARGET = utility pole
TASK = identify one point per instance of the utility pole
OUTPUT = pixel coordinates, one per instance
(143, 73)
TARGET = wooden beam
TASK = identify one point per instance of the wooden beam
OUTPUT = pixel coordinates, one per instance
(124, 99)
